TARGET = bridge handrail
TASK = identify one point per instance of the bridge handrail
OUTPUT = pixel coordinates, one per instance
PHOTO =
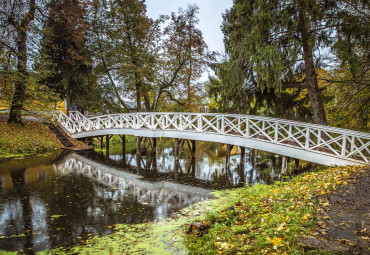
(256, 117)
(66, 122)
(338, 142)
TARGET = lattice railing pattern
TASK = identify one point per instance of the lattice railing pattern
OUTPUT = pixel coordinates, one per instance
(342, 143)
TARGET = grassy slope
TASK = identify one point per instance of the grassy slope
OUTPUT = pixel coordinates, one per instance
(268, 219)
(32, 138)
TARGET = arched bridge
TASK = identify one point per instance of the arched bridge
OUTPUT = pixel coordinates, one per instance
(315, 143)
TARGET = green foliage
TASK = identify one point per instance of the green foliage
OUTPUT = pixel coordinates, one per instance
(228, 96)
(276, 45)
(124, 41)
(349, 106)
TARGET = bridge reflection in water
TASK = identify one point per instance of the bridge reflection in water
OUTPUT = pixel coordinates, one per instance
(165, 196)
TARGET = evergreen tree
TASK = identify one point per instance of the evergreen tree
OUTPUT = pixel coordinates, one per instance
(64, 58)
(278, 45)
(272, 43)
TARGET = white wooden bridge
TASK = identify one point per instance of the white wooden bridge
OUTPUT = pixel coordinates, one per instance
(315, 143)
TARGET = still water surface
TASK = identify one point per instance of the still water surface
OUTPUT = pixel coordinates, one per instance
(61, 200)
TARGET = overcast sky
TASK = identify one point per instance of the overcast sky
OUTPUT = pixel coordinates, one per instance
(210, 16)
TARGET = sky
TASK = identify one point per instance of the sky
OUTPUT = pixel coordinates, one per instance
(210, 16)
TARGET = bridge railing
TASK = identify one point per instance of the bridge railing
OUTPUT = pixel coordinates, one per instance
(338, 142)
(66, 122)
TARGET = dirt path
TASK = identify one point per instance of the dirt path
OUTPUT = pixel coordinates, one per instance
(348, 216)
(26, 118)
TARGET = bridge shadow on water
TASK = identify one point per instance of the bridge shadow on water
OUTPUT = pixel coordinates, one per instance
(61, 200)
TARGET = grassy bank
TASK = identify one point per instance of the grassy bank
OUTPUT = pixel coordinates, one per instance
(269, 219)
(32, 138)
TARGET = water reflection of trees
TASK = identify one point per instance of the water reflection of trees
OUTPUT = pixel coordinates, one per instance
(208, 166)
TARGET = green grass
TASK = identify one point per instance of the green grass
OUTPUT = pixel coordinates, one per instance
(267, 219)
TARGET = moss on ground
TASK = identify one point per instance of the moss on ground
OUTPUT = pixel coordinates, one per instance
(163, 237)
(32, 138)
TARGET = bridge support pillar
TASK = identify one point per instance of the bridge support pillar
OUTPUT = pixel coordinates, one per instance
(123, 137)
(177, 149)
(242, 158)
(193, 148)
(177, 157)
(138, 147)
(107, 138)
(101, 140)
(154, 154)
(296, 164)
(154, 147)
(229, 147)
(284, 164)
(192, 161)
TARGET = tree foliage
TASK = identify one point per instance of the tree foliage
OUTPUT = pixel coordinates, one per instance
(273, 45)
(184, 58)
(64, 64)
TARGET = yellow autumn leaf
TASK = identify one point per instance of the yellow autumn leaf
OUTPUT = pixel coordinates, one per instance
(276, 241)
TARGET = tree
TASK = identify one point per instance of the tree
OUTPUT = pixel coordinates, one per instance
(276, 45)
(138, 59)
(349, 106)
(183, 59)
(124, 39)
(15, 19)
(64, 58)
(273, 45)
(250, 99)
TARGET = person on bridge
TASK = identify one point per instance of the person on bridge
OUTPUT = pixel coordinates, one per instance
(73, 107)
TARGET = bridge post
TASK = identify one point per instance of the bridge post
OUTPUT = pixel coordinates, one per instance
(296, 164)
(123, 137)
(229, 147)
(284, 165)
(177, 149)
(107, 138)
(242, 157)
(154, 149)
(192, 151)
(101, 141)
(154, 154)
(193, 148)
(138, 147)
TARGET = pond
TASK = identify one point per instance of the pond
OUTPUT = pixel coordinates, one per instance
(62, 199)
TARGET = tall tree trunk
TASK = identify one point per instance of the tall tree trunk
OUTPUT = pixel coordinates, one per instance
(68, 102)
(15, 115)
(147, 102)
(19, 95)
(138, 98)
(311, 79)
